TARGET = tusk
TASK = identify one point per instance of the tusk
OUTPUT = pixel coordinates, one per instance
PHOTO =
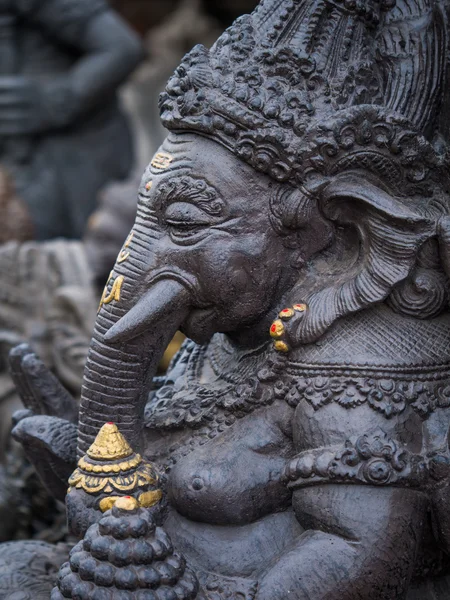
(167, 298)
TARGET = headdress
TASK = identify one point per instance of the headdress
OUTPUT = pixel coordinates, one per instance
(299, 87)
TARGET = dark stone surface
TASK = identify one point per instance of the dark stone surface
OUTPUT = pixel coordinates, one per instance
(295, 226)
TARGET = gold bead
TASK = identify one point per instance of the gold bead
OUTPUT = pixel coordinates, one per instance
(149, 499)
(281, 346)
(286, 313)
(300, 307)
(127, 503)
(277, 329)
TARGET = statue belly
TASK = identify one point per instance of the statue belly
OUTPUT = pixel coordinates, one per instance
(236, 478)
(243, 551)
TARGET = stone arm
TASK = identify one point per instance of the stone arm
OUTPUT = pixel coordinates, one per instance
(107, 51)
(360, 538)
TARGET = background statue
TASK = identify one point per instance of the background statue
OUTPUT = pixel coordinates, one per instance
(14, 216)
(50, 295)
(166, 42)
(295, 225)
(48, 299)
(63, 135)
(108, 227)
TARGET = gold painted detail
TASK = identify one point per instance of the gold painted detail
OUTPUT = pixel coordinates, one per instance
(108, 502)
(107, 469)
(123, 256)
(300, 307)
(145, 500)
(111, 467)
(127, 503)
(115, 292)
(148, 185)
(149, 499)
(286, 313)
(109, 444)
(277, 329)
(93, 483)
(161, 161)
(125, 253)
(281, 346)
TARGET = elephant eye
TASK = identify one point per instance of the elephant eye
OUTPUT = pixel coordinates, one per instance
(184, 220)
(184, 229)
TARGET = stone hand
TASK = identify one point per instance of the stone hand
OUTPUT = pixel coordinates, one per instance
(47, 428)
(39, 390)
(29, 108)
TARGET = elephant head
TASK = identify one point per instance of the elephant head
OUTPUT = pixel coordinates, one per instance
(202, 257)
(219, 247)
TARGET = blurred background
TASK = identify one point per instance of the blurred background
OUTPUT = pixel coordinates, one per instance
(170, 29)
(36, 203)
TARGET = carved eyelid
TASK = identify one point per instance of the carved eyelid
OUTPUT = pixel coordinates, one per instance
(187, 214)
(190, 190)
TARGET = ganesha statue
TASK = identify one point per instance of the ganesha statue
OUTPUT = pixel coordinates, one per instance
(295, 226)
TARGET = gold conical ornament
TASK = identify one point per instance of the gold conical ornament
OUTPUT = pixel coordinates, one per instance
(111, 469)
(109, 444)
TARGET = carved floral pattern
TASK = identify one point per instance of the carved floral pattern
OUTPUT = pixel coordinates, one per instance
(209, 410)
(349, 387)
(385, 395)
(372, 458)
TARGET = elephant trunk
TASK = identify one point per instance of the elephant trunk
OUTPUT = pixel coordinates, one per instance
(128, 342)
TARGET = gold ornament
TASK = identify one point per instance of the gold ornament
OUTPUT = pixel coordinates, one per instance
(125, 253)
(300, 307)
(110, 466)
(114, 294)
(276, 329)
(161, 161)
(127, 503)
(281, 346)
(149, 499)
(286, 313)
(145, 500)
(109, 444)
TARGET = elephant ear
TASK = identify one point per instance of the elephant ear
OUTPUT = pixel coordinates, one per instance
(386, 235)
